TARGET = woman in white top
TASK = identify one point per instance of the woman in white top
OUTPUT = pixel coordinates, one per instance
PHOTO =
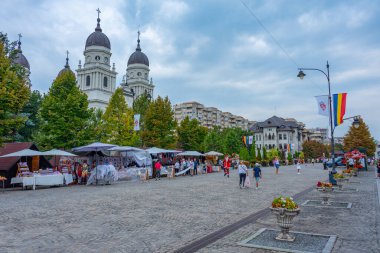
(242, 170)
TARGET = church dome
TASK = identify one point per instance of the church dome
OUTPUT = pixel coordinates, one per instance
(98, 38)
(20, 58)
(66, 69)
(138, 56)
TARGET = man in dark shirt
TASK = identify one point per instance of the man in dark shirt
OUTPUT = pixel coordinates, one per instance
(257, 174)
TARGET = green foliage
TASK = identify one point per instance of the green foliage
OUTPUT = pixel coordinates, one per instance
(290, 158)
(302, 155)
(252, 153)
(282, 155)
(64, 115)
(265, 156)
(313, 149)
(359, 138)
(14, 91)
(190, 134)
(30, 110)
(258, 158)
(244, 154)
(232, 140)
(159, 126)
(273, 153)
(140, 106)
(117, 121)
(213, 140)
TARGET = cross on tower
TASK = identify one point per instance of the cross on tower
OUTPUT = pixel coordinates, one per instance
(138, 34)
(98, 10)
(67, 53)
(19, 37)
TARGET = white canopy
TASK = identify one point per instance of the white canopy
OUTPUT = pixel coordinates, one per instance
(190, 153)
(125, 149)
(24, 152)
(96, 146)
(57, 152)
(213, 153)
(155, 151)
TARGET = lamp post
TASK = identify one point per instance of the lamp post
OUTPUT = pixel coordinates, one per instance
(356, 122)
(301, 75)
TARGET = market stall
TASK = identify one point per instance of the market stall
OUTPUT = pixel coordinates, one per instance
(212, 164)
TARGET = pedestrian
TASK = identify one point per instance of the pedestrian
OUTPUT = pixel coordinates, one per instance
(242, 170)
(378, 168)
(176, 166)
(158, 166)
(257, 174)
(276, 164)
(324, 163)
(312, 161)
(227, 166)
(195, 166)
(298, 167)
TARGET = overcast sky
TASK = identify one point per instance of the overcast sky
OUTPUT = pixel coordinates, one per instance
(217, 53)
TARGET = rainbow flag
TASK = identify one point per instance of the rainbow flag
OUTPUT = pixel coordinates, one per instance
(339, 105)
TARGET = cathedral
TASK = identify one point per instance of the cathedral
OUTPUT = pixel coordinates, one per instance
(97, 78)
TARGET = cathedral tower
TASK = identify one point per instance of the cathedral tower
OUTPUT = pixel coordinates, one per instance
(96, 78)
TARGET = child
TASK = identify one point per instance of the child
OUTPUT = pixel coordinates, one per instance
(257, 174)
(298, 167)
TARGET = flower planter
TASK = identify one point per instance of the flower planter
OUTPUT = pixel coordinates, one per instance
(285, 222)
(325, 196)
(339, 182)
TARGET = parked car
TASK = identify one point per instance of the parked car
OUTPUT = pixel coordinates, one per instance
(339, 161)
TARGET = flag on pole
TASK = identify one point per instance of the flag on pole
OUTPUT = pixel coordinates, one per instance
(245, 140)
(136, 122)
(250, 140)
(339, 101)
(323, 105)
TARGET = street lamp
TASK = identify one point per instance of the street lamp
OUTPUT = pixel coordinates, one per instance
(301, 75)
(356, 122)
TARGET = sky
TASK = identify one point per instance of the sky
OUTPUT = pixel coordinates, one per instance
(240, 56)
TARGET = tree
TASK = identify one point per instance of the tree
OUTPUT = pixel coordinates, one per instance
(213, 140)
(290, 158)
(232, 140)
(359, 138)
(258, 158)
(140, 106)
(265, 156)
(244, 154)
(190, 134)
(64, 114)
(32, 124)
(14, 91)
(272, 154)
(159, 126)
(253, 152)
(117, 121)
(313, 149)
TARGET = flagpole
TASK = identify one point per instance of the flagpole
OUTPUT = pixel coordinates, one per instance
(301, 75)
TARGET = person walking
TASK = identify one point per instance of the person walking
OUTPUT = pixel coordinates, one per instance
(176, 166)
(378, 168)
(276, 164)
(257, 174)
(227, 166)
(242, 170)
(195, 166)
(312, 161)
(298, 167)
(158, 166)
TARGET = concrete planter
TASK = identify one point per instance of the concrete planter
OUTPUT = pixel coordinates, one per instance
(339, 182)
(285, 222)
(325, 196)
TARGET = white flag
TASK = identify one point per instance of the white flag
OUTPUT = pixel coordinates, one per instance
(250, 140)
(136, 122)
(323, 105)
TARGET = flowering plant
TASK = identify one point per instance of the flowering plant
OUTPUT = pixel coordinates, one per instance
(338, 175)
(2, 178)
(322, 184)
(284, 202)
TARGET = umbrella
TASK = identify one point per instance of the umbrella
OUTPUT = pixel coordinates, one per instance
(96, 146)
(213, 153)
(57, 152)
(190, 153)
(24, 152)
(125, 149)
(155, 151)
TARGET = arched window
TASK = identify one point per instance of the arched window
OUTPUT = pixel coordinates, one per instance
(266, 136)
(272, 136)
(105, 81)
(87, 80)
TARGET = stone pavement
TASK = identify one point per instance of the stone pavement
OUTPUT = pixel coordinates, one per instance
(155, 216)
(358, 228)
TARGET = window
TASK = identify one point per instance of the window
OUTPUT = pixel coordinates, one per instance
(88, 81)
(285, 146)
(273, 136)
(139, 73)
(105, 82)
(97, 57)
(266, 137)
(284, 136)
(280, 136)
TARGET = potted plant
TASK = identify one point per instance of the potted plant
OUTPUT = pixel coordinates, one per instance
(285, 210)
(339, 179)
(325, 188)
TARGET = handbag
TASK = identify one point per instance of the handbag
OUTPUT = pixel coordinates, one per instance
(247, 182)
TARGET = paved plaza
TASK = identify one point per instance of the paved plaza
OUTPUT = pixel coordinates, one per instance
(165, 215)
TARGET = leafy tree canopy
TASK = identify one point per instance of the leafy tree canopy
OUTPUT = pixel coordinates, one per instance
(359, 138)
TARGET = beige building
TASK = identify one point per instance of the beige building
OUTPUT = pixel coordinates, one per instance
(208, 116)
